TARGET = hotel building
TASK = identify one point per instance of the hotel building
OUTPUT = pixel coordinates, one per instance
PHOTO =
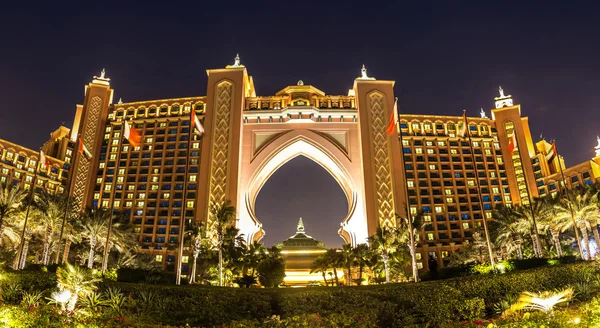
(170, 177)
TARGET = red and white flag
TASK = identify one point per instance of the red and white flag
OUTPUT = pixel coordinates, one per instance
(84, 150)
(43, 159)
(462, 125)
(196, 123)
(552, 153)
(512, 143)
(393, 120)
(134, 138)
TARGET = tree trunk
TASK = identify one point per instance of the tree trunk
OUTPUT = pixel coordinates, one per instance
(46, 253)
(556, 239)
(349, 277)
(66, 251)
(193, 273)
(24, 253)
(72, 301)
(1, 229)
(518, 243)
(220, 266)
(596, 236)
(360, 272)
(386, 268)
(91, 256)
(586, 242)
(534, 243)
(337, 281)
(413, 256)
(325, 279)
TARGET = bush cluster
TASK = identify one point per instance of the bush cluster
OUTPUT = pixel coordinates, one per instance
(431, 303)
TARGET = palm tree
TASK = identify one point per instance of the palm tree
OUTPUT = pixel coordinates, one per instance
(77, 281)
(195, 237)
(409, 229)
(554, 224)
(256, 252)
(321, 264)
(49, 210)
(334, 258)
(535, 210)
(384, 242)
(223, 215)
(509, 233)
(94, 229)
(362, 257)
(585, 211)
(72, 234)
(347, 260)
(11, 201)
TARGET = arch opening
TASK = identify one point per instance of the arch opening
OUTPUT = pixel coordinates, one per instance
(301, 188)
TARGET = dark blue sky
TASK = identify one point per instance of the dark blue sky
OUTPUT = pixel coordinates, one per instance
(443, 55)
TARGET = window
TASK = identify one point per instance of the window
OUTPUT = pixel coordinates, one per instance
(439, 209)
(432, 167)
(419, 150)
(429, 236)
(441, 143)
(410, 183)
(158, 258)
(465, 225)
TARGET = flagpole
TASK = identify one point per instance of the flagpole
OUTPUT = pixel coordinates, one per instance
(409, 217)
(562, 173)
(484, 219)
(112, 206)
(69, 186)
(184, 205)
(29, 201)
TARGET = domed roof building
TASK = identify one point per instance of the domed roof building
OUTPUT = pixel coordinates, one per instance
(300, 252)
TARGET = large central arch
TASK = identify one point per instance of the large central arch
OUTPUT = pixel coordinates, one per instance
(317, 146)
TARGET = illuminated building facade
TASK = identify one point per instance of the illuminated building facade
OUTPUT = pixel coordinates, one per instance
(247, 137)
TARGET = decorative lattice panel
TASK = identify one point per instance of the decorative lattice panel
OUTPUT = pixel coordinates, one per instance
(381, 160)
(89, 136)
(220, 146)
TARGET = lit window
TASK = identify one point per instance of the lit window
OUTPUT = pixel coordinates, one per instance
(470, 183)
(117, 203)
(190, 204)
(28, 178)
(117, 134)
(129, 196)
(419, 265)
(465, 225)
(97, 195)
(105, 203)
(149, 140)
(9, 155)
(69, 152)
(140, 204)
(405, 142)
(17, 175)
(142, 195)
(120, 179)
(158, 258)
(114, 149)
(107, 129)
(154, 187)
(196, 145)
(107, 187)
(488, 215)
(496, 145)
(418, 256)
(128, 203)
(486, 144)
(410, 183)
(488, 152)
(449, 200)
(193, 178)
(495, 190)
(429, 236)
(415, 126)
(427, 218)
(430, 151)
(419, 150)
(453, 151)
(156, 171)
(441, 143)
(185, 259)
(475, 143)
(507, 198)
(444, 254)
(427, 126)
(3, 179)
(448, 191)
(499, 160)
(429, 143)
(439, 209)
(154, 179)
(4, 171)
(106, 136)
(113, 156)
(493, 174)
(413, 210)
(166, 195)
(125, 148)
(432, 167)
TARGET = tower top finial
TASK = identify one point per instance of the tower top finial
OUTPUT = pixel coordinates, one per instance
(102, 79)
(300, 228)
(501, 91)
(237, 60)
(597, 148)
(363, 74)
(120, 101)
(503, 100)
(482, 113)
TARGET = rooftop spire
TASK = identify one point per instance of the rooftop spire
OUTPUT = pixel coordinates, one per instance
(102, 79)
(482, 113)
(503, 100)
(300, 228)
(236, 62)
(363, 74)
(597, 148)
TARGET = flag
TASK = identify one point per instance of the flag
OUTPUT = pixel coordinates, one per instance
(84, 151)
(43, 159)
(132, 135)
(552, 153)
(393, 120)
(196, 123)
(462, 125)
(512, 143)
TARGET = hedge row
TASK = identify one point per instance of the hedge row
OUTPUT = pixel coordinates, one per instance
(394, 305)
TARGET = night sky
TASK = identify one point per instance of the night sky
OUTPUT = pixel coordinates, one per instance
(444, 56)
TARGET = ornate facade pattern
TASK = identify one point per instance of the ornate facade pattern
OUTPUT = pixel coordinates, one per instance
(220, 146)
(381, 160)
(83, 167)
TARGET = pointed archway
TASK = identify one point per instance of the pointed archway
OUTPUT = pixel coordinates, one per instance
(301, 188)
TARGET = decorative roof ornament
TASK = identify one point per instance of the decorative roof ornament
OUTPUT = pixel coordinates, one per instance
(363, 74)
(236, 62)
(597, 148)
(503, 100)
(120, 101)
(300, 228)
(482, 113)
(542, 136)
(102, 79)
(300, 82)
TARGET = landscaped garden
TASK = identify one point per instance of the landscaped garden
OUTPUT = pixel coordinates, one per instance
(77, 297)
